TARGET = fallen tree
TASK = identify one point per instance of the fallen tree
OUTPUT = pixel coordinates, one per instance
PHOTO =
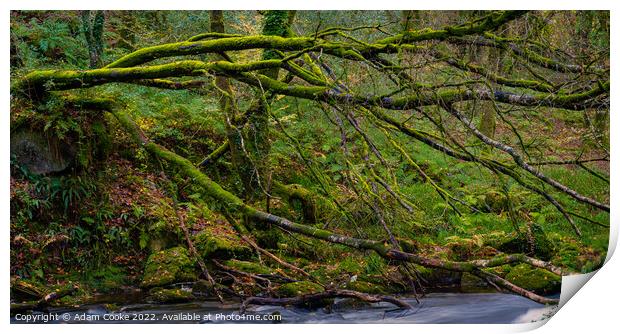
(44, 301)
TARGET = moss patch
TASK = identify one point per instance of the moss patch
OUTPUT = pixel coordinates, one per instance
(212, 246)
(538, 280)
(249, 267)
(543, 248)
(472, 283)
(169, 266)
(298, 288)
(366, 287)
(166, 296)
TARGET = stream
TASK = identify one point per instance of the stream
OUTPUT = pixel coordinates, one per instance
(444, 308)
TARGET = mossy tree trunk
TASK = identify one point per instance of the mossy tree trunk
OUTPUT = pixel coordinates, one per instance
(234, 128)
(126, 29)
(257, 176)
(92, 27)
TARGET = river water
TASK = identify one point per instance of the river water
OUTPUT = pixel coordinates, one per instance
(455, 308)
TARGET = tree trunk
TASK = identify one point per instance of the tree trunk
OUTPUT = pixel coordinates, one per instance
(93, 32)
(234, 128)
(257, 176)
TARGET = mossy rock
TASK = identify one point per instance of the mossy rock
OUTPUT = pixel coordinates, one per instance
(495, 202)
(42, 153)
(161, 235)
(462, 249)
(537, 280)
(248, 267)
(202, 288)
(107, 278)
(300, 288)
(350, 304)
(210, 246)
(268, 239)
(366, 287)
(295, 289)
(169, 296)
(520, 243)
(473, 283)
(439, 278)
(169, 266)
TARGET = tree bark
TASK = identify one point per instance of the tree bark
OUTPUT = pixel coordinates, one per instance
(93, 32)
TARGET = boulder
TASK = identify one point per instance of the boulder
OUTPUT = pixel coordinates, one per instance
(168, 296)
(40, 153)
(472, 283)
(169, 266)
(295, 289)
(537, 280)
(520, 243)
(211, 246)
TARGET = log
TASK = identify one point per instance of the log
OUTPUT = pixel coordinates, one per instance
(45, 301)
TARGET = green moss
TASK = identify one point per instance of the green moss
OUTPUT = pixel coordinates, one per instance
(321, 274)
(162, 233)
(249, 267)
(202, 288)
(351, 265)
(166, 296)
(103, 141)
(533, 279)
(212, 246)
(267, 238)
(169, 266)
(521, 243)
(366, 287)
(298, 288)
(107, 278)
(438, 277)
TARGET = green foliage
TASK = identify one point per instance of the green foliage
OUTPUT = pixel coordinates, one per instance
(375, 264)
(67, 190)
(106, 278)
(595, 25)
(53, 39)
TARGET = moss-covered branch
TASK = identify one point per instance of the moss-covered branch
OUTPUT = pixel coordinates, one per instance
(494, 77)
(216, 154)
(477, 26)
(68, 79)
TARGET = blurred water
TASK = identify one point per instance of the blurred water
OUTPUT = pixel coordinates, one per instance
(440, 308)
